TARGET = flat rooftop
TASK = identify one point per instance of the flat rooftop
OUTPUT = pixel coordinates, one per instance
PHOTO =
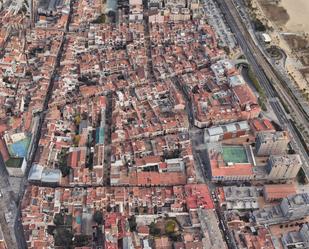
(14, 163)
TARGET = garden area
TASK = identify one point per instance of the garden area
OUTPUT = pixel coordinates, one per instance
(166, 227)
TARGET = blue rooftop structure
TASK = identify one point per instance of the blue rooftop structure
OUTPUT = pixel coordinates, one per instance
(99, 135)
(78, 220)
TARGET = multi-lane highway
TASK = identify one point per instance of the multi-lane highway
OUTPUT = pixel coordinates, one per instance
(267, 77)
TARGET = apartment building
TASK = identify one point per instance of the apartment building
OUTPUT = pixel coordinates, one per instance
(283, 166)
(271, 143)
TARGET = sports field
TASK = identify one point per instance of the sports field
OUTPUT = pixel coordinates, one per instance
(234, 154)
(20, 148)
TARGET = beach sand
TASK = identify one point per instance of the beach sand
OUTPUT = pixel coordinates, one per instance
(298, 11)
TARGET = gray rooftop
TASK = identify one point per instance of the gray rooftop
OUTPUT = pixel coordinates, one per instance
(35, 173)
(232, 193)
(51, 175)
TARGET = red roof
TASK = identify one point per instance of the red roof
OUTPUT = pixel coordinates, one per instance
(268, 124)
(279, 191)
(110, 219)
(244, 169)
(198, 195)
(262, 125)
(102, 101)
(155, 178)
(245, 95)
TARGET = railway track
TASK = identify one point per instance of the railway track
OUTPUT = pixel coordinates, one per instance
(274, 86)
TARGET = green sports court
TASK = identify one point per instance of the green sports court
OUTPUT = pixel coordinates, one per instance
(234, 154)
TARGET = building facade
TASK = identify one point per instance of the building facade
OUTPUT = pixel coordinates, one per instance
(296, 206)
(283, 167)
(271, 143)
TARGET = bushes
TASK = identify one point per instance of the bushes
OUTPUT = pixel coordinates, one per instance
(170, 226)
(59, 219)
(63, 237)
(62, 163)
(76, 140)
(258, 25)
(98, 217)
(100, 19)
(132, 223)
(81, 240)
(262, 104)
(257, 85)
(154, 230)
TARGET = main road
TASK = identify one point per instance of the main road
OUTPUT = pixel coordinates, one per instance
(268, 79)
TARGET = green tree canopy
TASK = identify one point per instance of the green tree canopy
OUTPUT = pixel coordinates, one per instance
(63, 237)
(98, 217)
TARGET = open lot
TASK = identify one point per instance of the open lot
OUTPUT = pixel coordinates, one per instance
(274, 12)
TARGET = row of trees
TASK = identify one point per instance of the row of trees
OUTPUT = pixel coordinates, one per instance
(62, 162)
(258, 87)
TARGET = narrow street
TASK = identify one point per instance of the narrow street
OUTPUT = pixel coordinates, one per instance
(202, 168)
(108, 141)
(151, 76)
(36, 136)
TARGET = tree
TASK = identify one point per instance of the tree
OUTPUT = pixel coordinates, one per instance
(227, 49)
(175, 237)
(51, 229)
(259, 26)
(59, 219)
(68, 220)
(109, 208)
(153, 230)
(28, 74)
(132, 223)
(195, 89)
(136, 210)
(81, 240)
(77, 119)
(63, 237)
(65, 170)
(100, 19)
(170, 226)
(76, 140)
(62, 163)
(155, 209)
(261, 102)
(98, 217)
